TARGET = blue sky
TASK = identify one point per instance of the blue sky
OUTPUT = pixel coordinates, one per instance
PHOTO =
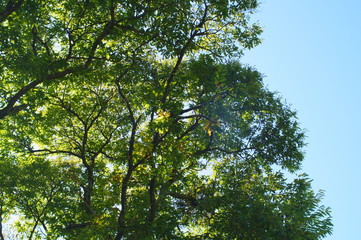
(311, 55)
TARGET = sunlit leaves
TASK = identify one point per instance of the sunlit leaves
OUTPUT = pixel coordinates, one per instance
(224, 117)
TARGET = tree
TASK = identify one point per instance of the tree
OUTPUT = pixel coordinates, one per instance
(133, 120)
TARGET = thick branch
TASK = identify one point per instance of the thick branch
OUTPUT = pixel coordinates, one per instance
(198, 116)
(189, 129)
(78, 225)
(127, 103)
(106, 31)
(47, 151)
(192, 200)
(10, 8)
(182, 54)
(8, 109)
(10, 106)
(124, 204)
(153, 200)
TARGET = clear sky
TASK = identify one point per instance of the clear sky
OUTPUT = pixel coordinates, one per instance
(311, 55)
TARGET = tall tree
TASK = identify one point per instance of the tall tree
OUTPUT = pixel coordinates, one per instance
(130, 120)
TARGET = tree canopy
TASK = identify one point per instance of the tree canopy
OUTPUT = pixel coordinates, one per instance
(136, 120)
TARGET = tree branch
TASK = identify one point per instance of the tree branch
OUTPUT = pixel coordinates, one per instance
(78, 225)
(47, 151)
(198, 116)
(10, 8)
(192, 200)
(12, 101)
(182, 54)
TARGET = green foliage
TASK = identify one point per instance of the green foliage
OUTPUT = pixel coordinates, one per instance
(115, 114)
